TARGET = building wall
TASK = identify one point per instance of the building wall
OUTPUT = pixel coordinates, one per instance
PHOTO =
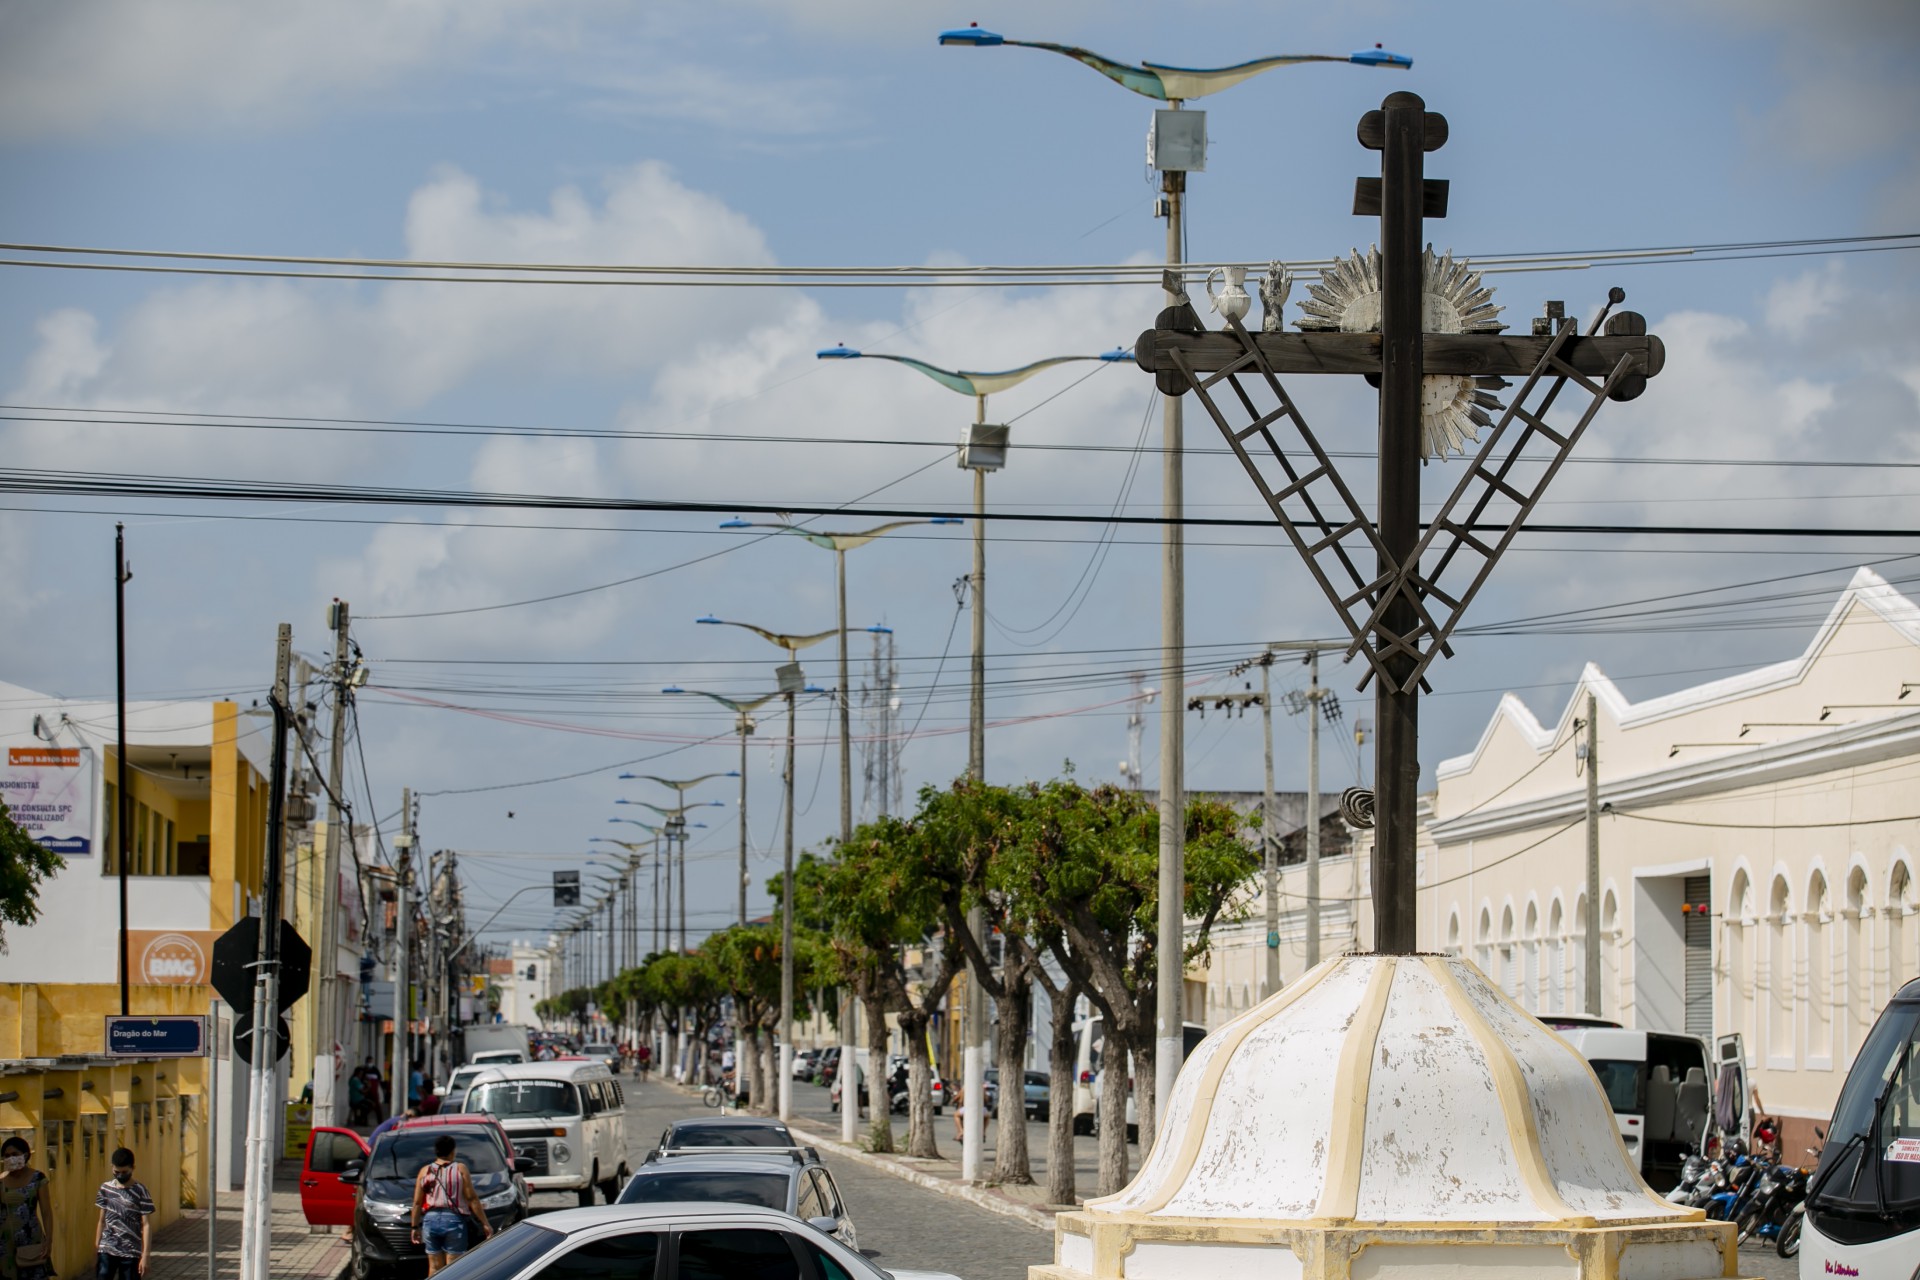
(1804, 829)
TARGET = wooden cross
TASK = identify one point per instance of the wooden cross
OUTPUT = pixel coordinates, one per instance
(1385, 576)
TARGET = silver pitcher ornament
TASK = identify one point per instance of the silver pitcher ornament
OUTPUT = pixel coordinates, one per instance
(1231, 300)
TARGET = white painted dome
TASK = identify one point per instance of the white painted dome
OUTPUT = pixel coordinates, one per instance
(1390, 1089)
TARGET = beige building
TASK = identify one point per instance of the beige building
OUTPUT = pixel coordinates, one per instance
(1757, 856)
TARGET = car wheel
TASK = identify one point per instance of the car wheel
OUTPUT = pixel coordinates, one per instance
(361, 1267)
(1083, 1125)
(585, 1193)
(610, 1190)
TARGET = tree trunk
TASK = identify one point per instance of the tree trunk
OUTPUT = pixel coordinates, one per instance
(770, 1069)
(1060, 1173)
(748, 1059)
(1010, 1163)
(920, 1139)
(1143, 1099)
(879, 1118)
(1112, 1108)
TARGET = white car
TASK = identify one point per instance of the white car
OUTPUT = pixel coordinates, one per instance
(702, 1239)
(606, 1053)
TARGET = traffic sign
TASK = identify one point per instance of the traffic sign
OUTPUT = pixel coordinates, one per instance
(566, 888)
(170, 1036)
(236, 951)
(243, 1036)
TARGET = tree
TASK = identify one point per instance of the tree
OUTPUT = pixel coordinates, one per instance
(24, 863)
(746, 965)
(883, 894)
(1089, 861)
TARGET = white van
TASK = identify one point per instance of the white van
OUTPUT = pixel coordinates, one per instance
(1660, 1085)
(1089, 1037)
(568, 1117)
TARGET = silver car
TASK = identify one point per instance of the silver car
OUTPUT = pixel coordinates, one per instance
(700, 1241)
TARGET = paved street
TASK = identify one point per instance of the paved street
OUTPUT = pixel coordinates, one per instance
(900, 1224)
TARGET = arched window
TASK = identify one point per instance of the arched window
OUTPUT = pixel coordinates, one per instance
(1856, 1002)
(1780, 976)
(1556, 959)
(1900, 965)
(1509, 977)
(1742, 964)
(1530, 959)
(1818, 968)
(1483, 943)
(1453, 932)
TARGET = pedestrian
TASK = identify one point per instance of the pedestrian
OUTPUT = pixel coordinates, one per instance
(357, 1099)
(416, 1085)
(389, 1122)
(959, 1113)
(644, 1057)
(123, 1236)
(26, 1215)
(443, 1198)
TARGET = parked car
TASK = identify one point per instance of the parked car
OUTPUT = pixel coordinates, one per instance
(457, 1085)
(607, 1053)
(803, 1063)
(1034, 1090)
(826, 1065)
(569, 1118)
(705, 1239)
(708, 1132)
(794, 1182)
(382, 1209)
(1089, 1039)
(1660, 1085)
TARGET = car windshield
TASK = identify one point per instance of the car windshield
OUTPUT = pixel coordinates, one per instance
(402, 1155)
(768, 1190)
(1871, 1160)
(512, 1098)
(729, 1135)
(1622, 1078)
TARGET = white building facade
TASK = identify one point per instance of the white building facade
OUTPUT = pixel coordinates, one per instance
(1757, 857)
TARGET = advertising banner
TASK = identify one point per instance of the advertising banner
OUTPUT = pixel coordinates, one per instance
(170, 957)
(49, 792)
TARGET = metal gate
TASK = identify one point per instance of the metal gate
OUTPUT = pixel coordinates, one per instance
(1698, 892)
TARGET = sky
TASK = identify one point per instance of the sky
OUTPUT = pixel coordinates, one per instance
(838, 133)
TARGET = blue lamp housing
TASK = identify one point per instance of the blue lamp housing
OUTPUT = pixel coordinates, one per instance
(709, 621)
(1116, 355)
(736, 523)
(1378, 57)
(972, 35)
(836, 353)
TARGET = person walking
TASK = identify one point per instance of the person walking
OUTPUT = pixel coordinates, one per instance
(443, 1198)
(357, 1099)
(123, 1236)
(26, 1215)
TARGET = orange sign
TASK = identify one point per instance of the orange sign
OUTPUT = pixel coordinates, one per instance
(44, 757)
(170, 957)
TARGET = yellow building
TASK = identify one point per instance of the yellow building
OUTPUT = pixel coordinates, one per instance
(196, 863)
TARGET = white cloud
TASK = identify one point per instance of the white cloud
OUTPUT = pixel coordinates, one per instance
(1795, 305)
(95, 66)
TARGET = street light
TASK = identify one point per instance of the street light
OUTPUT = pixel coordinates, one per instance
(1176, 145)
(839, 544)
(984, 449)
(743, 724)
(792, 683)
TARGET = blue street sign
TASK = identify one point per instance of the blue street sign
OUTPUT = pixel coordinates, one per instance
(169, 1036)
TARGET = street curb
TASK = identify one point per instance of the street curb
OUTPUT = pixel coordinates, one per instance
(981, 1197)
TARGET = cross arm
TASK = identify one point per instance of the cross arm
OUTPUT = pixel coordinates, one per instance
(1455, 353)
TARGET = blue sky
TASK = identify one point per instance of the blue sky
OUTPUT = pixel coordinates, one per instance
(840, 133)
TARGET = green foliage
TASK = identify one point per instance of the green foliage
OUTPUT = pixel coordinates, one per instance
(24, 863)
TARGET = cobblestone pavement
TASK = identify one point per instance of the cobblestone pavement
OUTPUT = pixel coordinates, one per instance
(900, 1224)
(299, 1253)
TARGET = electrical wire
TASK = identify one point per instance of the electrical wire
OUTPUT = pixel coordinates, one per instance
(1609, 810)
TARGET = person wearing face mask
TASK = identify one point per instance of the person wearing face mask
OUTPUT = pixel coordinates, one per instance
(26, 1215)
(124, 1235)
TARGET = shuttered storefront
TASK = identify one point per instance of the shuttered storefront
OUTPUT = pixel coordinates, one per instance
(1699, 943)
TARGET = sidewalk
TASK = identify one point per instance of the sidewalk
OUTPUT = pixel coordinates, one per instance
(299, 1252)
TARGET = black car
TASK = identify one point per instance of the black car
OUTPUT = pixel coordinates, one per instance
(383, 1211)
(723, 1131)
(791, 1182)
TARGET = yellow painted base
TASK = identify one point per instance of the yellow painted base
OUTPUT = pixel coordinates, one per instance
(1106, 1246)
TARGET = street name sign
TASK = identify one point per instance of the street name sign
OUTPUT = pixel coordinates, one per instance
(168, 1036)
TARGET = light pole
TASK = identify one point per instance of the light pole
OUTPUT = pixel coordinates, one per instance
(744, 725)
(839, 544)
(984, 449)
(1176, 145)
(630, 929)
(792, 684)
(676, 830)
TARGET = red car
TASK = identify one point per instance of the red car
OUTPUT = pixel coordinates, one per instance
(327, 1202)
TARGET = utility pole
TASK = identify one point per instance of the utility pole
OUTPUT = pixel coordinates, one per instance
(324, 1012)
(1170, 967)
(122, 802)
(255, 1226)
(402, 1006)
(974, 1049)
(785, 1091)
(1592, 949)
(744, 725)
(1269, 833)
(1313, 808)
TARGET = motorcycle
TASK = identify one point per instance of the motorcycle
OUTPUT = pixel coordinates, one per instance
(1691, 1172)
(1787, 1242)
(1775, 1194)
(1725, 1203)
